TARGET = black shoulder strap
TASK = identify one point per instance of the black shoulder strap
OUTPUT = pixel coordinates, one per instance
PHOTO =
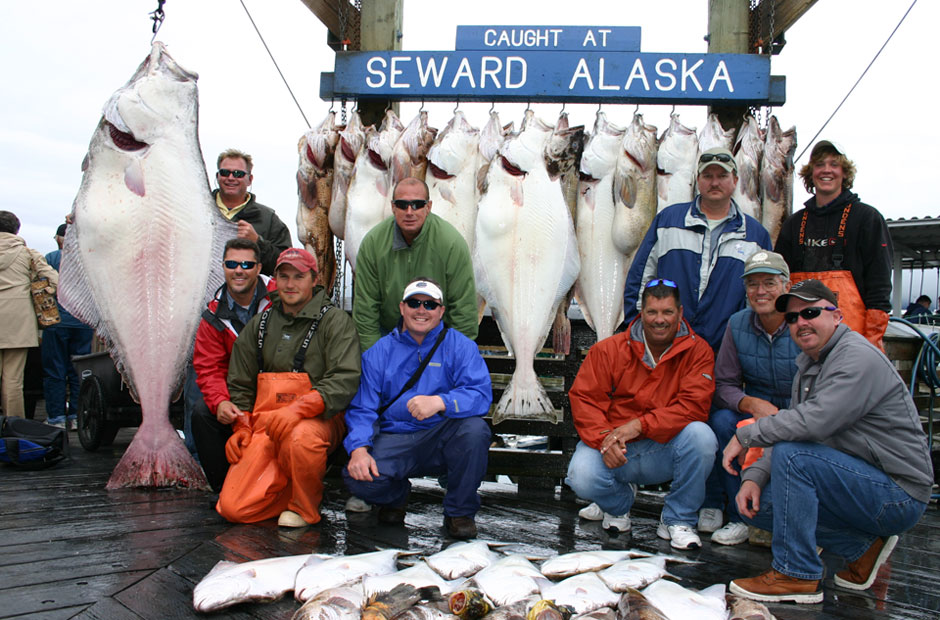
(298, 365)
(417, 374)
(262, 331)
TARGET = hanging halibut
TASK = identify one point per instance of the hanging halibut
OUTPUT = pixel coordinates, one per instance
(369, 190)
(599, 289)
(635, 185)
(676, 164)
(776, 177)
(314, 189)
(410, 155)
(748, 151)
(351, 140)
(453, 163)
(526, 260)
(147, 239)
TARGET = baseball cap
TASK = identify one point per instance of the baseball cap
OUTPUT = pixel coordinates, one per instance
(766, 262)
(827, 145)
(423, 287)
(719, 156)
(302, 260)
(807, 290)
(60, 231)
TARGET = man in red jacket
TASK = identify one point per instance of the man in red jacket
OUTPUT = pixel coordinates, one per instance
(639, 404)
(243, 295)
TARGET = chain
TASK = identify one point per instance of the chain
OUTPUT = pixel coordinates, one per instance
(157, 16)
(339, 283)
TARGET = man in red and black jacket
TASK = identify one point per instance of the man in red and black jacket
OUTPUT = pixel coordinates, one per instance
(244, 294)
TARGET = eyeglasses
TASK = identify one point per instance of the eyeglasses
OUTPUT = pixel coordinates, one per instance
(807, 313)
(659, 281)
(416, 205)
(722, 157)
(769, 285)
(429, 304)
(238, 174)
(245, 264)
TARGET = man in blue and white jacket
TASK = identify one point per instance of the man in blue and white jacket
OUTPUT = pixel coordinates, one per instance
(701, 246)
(435, 427)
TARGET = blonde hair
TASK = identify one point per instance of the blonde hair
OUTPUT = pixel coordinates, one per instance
(234, 154)
(848, 169)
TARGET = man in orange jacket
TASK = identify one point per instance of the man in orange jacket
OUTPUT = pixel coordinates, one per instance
(639, 404)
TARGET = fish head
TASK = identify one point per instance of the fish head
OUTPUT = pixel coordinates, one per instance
(563, 149)
(455, 148)
(228, 588)
(526, 149)
(352, 137)
(317, 146)
(491, 137)
(601, 149)
(640, 146)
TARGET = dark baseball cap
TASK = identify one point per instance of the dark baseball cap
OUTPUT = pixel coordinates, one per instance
(807, 290)
(60, 231)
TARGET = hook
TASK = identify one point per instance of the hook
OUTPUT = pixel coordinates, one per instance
(599, 107)
(563, 104)
(492, 107)
(528, 106)
(332, 103)
(636, 110)
(672, 112)
(421, 109)
(456, 106)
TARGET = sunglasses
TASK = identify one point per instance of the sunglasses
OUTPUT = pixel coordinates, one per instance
(429, 304)
(238, 174)
(414, 204)
(709, 157)
(245, 264)
(659, 281)
(807, 313)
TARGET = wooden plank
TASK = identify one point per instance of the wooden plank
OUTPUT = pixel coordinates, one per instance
(107, 609)
(380, 29)
(728, 33)
(784, 13)
(44, 597)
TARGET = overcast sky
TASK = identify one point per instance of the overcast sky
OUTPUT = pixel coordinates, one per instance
(63, 59)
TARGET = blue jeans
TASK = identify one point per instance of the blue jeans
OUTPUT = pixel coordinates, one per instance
(457, 447)
(828, 498)
(685, 459)
(59, 344)
(721, 488)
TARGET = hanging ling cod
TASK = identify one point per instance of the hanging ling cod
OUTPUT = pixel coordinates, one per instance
(145, 247)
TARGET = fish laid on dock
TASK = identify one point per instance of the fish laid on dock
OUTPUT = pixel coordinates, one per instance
(741, 608)
(510, 579)
(469, 604)
(341, 603)
(315, 172)
(462, 559)
(635, 574)
(582, 593)
(420, 576)
(230, 583)
(634, 606)
(569, 564)
(144, 253)
(387, 605)
(339, 571)
(675, 602)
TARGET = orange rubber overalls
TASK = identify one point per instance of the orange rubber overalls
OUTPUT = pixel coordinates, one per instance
(272, 477)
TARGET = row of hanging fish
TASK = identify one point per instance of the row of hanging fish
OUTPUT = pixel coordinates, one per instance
(469, 580)
(548, 211)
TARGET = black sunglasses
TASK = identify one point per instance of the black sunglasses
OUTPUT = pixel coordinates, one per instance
(414, 204)
(238, 174)
(429, 304)
(659, 281)
(245, 264)
(722, 157)
(807, 313)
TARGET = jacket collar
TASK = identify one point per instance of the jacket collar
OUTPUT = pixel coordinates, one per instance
(402, 335)
(695, 217)
(838, 204)
(684, 337)
(804, 361)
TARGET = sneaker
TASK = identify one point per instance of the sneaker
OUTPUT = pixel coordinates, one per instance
(60, 423)
(621, 523)
(289, 518)
(354, 504)
(759, 537)
(679, 536)
(731, 534)
(73, 424)
(461, 527)
(860, 574)
(591, 512)
(775, 587)
(709, 520)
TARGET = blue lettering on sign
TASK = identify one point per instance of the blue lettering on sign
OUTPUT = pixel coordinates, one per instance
(554, 76)
(557, 38)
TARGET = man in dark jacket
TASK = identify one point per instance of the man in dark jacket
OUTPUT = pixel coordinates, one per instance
(845, 466)
(256, 222)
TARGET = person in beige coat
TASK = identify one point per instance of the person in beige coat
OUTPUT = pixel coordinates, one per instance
(20, 329)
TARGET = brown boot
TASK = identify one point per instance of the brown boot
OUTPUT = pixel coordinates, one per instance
(461, 527)
(775, 587)
(860, 574)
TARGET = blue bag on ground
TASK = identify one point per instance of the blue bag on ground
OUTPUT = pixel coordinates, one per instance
(30, 444)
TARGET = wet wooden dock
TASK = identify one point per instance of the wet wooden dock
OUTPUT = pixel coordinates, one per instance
(70, 549)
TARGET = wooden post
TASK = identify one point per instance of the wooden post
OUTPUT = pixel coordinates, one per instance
(728, 33)
(380, 29)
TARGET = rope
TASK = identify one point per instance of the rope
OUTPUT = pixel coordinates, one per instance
(299, 109)
(856, 83)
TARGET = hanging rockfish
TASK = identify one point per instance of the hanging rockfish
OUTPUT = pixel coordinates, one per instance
(635, 185)
(453, 163)
(748, 151)
(143, 253)
(526, 259)
(676, 164)
(351, 140)
(776, 177)
(314, 189)
(599, 289)
(713, 136)
(410, 155)
(369, 190)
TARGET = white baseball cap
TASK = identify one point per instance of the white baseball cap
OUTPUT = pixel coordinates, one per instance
(423, 287)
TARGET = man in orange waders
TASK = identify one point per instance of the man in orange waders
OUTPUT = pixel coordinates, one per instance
(841, 242)
(294, 368)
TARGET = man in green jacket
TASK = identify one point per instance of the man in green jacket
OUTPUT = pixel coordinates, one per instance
(294, 368)
(414, 242)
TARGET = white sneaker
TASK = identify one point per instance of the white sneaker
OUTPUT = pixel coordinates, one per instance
(709, 520)
(731, 534)
(591, 512)
(679, 536)
(354, 504)
(621, 523)
(289, 518)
